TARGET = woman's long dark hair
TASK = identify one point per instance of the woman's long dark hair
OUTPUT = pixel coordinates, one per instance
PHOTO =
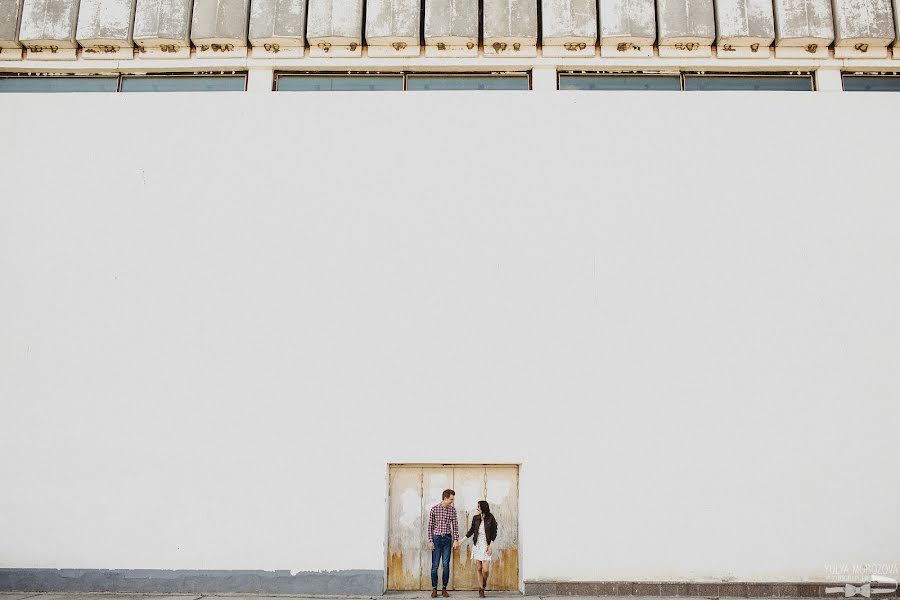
(486, 511)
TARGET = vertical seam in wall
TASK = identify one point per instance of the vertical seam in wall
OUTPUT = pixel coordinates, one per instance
(422, 22)
(422, 559)
(305, 43)
(362, 27)
(479, 37)
(806, 14)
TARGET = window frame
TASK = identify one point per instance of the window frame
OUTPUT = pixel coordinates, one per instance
(675, 75)
(526, 74)
(185, 75)
(65, 76)
(869, 75)
(750, 74)
(681, 75)
(386, 74)
(120, 77)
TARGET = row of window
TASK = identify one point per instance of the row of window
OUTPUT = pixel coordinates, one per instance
(401, 81)
(290, 82)
(686, 81)
(236, 82)
(722, 82)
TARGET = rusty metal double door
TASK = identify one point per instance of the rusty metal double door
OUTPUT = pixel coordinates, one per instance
(414, 489)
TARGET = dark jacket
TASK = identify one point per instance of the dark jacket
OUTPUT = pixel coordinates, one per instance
(490, 529)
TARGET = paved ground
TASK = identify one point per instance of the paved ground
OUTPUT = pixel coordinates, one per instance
(388, 596)
(133, 596)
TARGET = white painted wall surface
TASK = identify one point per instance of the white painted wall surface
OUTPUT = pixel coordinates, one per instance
(678, 311)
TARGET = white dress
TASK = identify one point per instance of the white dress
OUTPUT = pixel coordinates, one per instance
(479, 550)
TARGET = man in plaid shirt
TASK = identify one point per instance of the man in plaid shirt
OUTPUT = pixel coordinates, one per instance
(443, 538)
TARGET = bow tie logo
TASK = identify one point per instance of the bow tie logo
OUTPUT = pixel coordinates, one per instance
(865, 590)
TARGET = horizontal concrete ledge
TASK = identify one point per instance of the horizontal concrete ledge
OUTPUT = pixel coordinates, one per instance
(671, 589)
(316, 583)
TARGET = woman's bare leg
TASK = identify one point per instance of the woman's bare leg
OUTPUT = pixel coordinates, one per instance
(479, 568)
(485, 570)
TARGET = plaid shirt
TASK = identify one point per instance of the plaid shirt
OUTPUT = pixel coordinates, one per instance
(442, 520)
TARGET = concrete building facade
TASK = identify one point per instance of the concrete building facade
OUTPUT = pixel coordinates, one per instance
(247, 338)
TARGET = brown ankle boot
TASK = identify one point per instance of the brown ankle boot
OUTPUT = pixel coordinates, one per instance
(434, 593)
(445, 594)
(481, 592)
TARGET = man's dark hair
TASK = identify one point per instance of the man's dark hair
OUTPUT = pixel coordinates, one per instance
(447, 493)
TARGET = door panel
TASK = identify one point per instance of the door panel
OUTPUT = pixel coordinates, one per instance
(414, 490)
(503, 496)
(434, 481)
(469, 485)
(405, 545)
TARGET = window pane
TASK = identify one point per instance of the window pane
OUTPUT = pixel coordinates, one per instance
(467, 82)
(619, 82)
(58, 84)
(182, 83)
(871, 83)
(791, 83)
(339, 83)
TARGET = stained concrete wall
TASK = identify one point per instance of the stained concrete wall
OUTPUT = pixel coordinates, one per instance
(205, 357)
(278, 21)
(335, 21)
(220, 22)
(569, 21)
(802, 22)
(105, 22)
(691, 21)
(863, 21)
(627, 21)
(10, 14)
(896, 23)
(451, 21)
(393, 22)
(51, 22)
(159, 22)
(510, 21)
(745, 22)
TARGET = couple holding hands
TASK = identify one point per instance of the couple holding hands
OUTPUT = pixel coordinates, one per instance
(443, 538)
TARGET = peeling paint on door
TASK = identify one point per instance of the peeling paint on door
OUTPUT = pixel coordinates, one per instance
(404, 533)
(469, 483)
(415, 489)
(503, 496)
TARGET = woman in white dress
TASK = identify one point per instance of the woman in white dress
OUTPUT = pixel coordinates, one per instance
(483, 533)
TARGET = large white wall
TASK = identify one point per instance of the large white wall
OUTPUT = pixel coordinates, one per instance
(222, 315)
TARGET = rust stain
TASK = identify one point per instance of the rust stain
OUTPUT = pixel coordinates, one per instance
(398, 577)
(504, 574)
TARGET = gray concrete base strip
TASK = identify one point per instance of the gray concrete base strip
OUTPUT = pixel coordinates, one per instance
(326, 583)
(680, 589)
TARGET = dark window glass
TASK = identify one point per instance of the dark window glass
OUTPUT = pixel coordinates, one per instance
(467, 82)
(183, 83)
(58, 84)
(619, 82)
(339, 83)
(871, 83)
(788, 83)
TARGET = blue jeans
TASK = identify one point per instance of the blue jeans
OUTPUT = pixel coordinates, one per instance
(443, 548)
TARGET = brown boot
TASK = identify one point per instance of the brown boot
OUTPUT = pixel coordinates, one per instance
(434, 593)
(445, 594)
(481, 592)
